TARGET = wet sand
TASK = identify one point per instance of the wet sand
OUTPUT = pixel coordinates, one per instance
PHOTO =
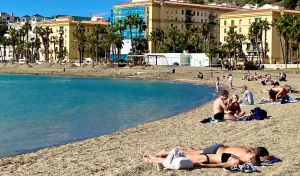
(119, 153)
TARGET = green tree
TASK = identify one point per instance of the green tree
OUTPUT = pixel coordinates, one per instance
(156, 37)
(80, 40)
(13, 37)
(26, 28)
(265, 26)
(284, 26)
(45, 34)
(131, 21)
(212, 51)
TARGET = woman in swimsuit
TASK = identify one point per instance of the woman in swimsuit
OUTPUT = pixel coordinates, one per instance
(199, 159)
(215, 156)
(234, 109)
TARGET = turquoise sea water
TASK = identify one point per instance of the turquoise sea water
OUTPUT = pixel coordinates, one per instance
(41, 111)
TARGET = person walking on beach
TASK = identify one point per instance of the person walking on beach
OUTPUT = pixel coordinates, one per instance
(230, 78)
(217, 84)
(247, 97)
(220, 105)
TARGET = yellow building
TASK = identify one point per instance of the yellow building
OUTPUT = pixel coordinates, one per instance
(241, 21)
(64, 27)
(179, 14)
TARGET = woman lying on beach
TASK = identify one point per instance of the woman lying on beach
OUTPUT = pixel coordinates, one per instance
(215, 156)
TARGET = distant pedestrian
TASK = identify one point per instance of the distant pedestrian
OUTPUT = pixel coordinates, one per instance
(230, 79)
(217, 84)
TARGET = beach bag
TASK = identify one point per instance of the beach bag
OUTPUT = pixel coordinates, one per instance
(258, 114)
(177, 160)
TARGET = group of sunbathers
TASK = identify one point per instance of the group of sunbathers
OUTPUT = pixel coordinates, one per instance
(215, 156)
(229, 109)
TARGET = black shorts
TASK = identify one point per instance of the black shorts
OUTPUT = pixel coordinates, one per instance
(272, 94)
(219, 116)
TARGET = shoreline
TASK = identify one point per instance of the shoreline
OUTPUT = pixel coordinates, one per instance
(118, 153)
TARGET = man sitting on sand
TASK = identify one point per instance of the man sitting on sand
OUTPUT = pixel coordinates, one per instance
(220, 105)
(215, 156)
(247, 97)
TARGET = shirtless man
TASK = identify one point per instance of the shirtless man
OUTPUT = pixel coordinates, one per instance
(220, 106)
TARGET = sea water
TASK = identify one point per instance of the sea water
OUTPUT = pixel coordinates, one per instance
(41, 111)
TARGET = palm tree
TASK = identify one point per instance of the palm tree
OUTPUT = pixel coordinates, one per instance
(13, 37)
(142, 26)
(37, 43)
(255, 33)
(54, 41)
(205, 32)
(252, 38)
(172, 35)
(26, 28)
(80, 40)
(284, 26)
(45, 33)
(156, 36)
(4, 41)
(265, 26)
(131, 21)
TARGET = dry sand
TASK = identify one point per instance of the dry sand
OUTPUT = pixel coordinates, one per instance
(119, 153)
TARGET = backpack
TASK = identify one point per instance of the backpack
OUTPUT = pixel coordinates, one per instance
(258, 114)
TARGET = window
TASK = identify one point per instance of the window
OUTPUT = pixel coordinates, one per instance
(240, 30)
(240, 22)
(257, 20)
(201, 20)
(197, 13)
(205, 20)
(171, 25)
(225, 23)
(232, 23)
(225, 30)
(201, 14)
(182, 12)
(249, 21)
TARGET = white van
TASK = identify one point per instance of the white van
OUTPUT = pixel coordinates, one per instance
(21, 61)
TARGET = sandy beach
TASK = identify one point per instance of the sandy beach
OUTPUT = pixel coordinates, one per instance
(119, 153)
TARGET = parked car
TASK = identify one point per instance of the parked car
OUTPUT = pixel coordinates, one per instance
(39, 62)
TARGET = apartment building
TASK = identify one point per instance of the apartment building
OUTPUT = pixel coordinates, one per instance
(241, 21)
(63, 28)
(166, 14)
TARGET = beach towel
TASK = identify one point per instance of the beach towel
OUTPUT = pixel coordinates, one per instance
(177, 160)
(269, 103)
(247, 168)
(271, 161)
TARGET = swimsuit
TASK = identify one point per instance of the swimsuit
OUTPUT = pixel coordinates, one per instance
(219, 116)
(225, 157)
(272, 94)
(212, 149)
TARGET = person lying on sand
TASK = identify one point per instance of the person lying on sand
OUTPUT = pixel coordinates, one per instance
(220, 106)
(234, 109)
(215, 156)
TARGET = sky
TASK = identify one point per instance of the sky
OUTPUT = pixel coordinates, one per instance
(50, 8)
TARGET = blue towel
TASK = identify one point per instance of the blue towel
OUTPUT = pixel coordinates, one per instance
(273, 160)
